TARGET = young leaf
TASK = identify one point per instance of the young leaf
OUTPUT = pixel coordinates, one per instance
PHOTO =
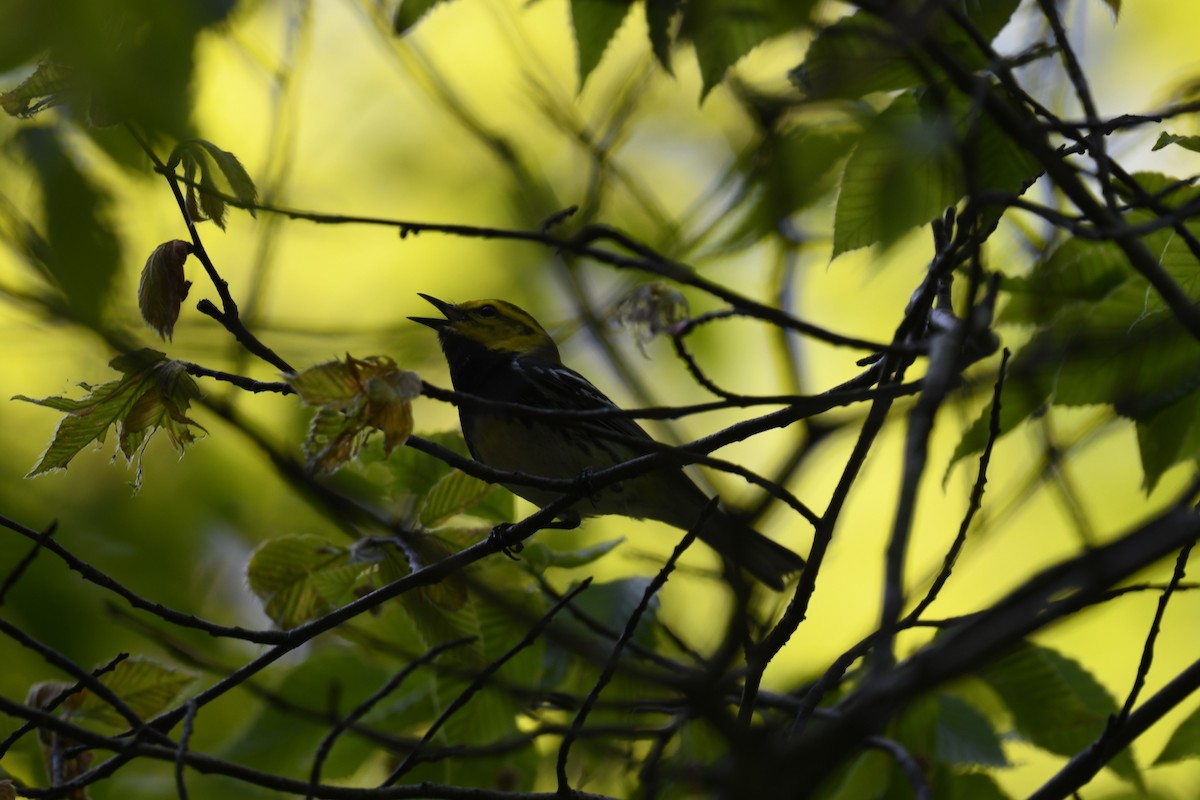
(147, 686)
(154, 393)
(202, 158)
(354, 397)
(298, 578)
(45, 88)
(163, 288)
(1184, 742)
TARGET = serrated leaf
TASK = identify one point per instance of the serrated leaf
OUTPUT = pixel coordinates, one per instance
(1184, 742)
(163, 288)
(595, 23)
(409, 12)
(724, 31)
(861, 54)
(354, 397)
(1186, 142)
(202, 158)
(903, 173)
(147, 686)
(1056, 704)
(456, 493)
(1168, 437)
(43, 89)
(154, 393)
(965, 737)
(1077, 271)
(211, 205)
(659, 16)
(907, 168)
(301, 577)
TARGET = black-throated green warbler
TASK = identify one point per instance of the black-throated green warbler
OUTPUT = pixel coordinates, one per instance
(498, 352)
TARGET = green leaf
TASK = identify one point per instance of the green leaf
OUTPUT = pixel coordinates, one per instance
(1168, 437)
(907, 168)
(659, 16)
(301, 577)
(1056, 704)
(202, 157)
(409, 12)
(455, 493)
(1184, 742)
(725, 30)
(154, 393)
(1186, 142)
(147, 686)
(965, 737)
(860, 54)
(595, 22)
(1077, 271)
(84, 253)
(903, 173)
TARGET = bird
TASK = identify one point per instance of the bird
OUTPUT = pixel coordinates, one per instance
(498, 352)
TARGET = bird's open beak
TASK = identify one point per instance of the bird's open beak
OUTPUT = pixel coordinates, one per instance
(449, 309)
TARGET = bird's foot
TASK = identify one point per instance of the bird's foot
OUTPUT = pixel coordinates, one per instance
(498, 538)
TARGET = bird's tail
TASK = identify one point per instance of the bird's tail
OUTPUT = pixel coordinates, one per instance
(763, 558)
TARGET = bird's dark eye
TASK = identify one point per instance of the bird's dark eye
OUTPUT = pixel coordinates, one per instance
(488, 311)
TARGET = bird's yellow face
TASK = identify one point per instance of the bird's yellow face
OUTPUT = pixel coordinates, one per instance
(497, 325)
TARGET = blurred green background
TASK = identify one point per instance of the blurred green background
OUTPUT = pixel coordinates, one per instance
(475, 118)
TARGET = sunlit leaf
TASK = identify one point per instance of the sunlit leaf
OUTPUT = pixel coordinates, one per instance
(147, 686)
(163, 288)
(301, 577)
(354, 397)
(154, 393)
